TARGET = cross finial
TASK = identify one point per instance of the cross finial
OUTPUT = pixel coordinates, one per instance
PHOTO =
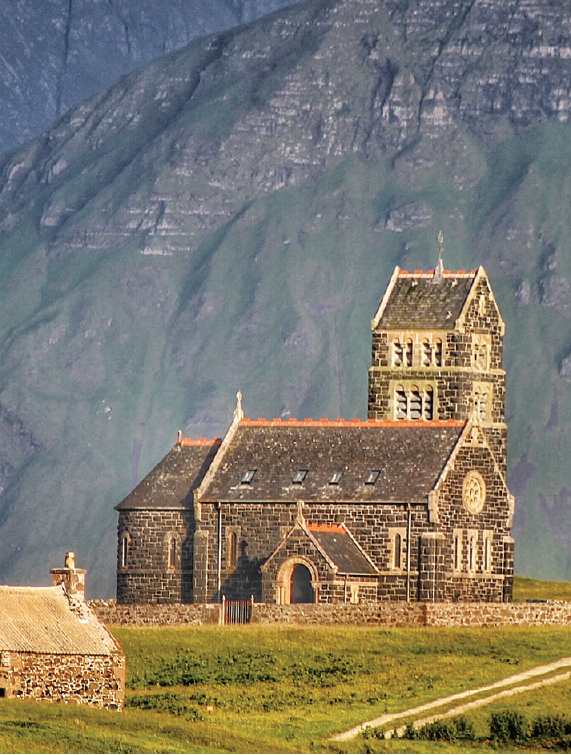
(440, 267)
(238, 412)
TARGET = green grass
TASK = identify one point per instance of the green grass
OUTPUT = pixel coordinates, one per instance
(281, 689)
(526, 588)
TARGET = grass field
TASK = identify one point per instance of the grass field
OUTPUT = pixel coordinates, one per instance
(283, 689)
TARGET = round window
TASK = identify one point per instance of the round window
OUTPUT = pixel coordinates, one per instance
(474, 492)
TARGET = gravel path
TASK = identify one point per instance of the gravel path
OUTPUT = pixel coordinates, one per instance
(515, 679)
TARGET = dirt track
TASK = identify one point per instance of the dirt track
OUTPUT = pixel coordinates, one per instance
(515, 680)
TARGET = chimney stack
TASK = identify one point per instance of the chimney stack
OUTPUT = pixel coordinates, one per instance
(71, 578)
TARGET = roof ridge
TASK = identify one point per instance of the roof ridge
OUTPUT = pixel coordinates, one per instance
(292, 422)
(430, 274)
(198, 441)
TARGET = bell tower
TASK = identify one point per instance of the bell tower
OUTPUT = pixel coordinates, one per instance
(437, 352)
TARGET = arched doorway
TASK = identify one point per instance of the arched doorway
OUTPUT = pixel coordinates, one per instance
(301, 587)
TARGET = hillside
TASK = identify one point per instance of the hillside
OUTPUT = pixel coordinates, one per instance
(227, 218)
(56, 54)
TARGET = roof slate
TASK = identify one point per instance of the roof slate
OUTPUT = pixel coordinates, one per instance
(342, 549)
(409, 457)
(42, 620)
(171, 483)
(423, 301)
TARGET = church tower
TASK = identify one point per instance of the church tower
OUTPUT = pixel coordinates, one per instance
(437, 353)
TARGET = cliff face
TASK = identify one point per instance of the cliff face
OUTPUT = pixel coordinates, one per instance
(56, 54)
(228, 216)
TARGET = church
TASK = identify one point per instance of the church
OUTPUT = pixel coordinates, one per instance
(411, 504)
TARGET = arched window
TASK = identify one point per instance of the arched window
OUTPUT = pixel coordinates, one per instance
(397, 353)
(233, 550)
(173, 552)
(429, 403)
(458, 551)
(397, 555)
(408, 353)
(125, 548)
(472, 552)
(401, 403)
(415, 403)
(438, 353)
(426, 353)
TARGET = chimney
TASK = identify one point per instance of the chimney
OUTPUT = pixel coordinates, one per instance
(71, 578)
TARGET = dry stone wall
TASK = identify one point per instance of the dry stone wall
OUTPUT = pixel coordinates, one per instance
(389, 614)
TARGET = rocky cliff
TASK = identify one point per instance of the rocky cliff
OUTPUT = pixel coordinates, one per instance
(228, 216)
(55, 54)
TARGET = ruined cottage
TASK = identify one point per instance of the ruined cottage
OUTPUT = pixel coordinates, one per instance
(411, 504)
(52, 646)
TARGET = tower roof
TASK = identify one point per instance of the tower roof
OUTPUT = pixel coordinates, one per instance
(424, 300)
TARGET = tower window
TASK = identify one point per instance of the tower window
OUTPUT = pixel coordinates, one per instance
(402, 403)
(429, 403)
(426, 353)
(336, 478)
(248, 476)
(299, 476)
(408, 353)
(397, 354)
(438, 353)
(415, 403)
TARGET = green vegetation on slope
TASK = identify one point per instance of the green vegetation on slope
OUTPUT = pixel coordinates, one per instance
(278, 689)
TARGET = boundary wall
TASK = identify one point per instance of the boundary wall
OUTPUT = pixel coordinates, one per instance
(389, 614)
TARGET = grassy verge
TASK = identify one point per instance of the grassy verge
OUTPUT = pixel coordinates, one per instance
(526, 588)
(281, 689)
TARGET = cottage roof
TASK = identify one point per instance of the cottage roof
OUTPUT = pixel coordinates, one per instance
(46, 620)
(171, 483)
(424, 300)
(266, 461)
(342, 549)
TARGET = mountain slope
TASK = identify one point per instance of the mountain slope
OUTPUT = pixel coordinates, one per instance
(227, 218)
(57, 53)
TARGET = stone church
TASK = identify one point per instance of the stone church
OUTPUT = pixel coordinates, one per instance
(411, 504)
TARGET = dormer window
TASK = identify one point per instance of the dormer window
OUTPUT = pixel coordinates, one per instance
(372, 478)
(299, 476)
(336, 478)
(248, 477)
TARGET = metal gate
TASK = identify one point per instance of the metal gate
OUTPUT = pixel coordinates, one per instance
(237, 611)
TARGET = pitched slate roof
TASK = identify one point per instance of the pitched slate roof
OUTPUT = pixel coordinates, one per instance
(170, 484)
(424, 300)
(341, 548)
(45, 620)
(409, 457)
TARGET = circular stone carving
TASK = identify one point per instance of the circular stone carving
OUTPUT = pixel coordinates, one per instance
(474, 492)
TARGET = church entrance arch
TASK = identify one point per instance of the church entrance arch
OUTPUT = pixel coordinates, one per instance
(301, 587)
(297, 582)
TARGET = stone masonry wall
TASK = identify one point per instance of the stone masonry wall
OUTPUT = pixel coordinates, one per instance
(389, 614)
(148, 577)
(261, 528)
(79, 679)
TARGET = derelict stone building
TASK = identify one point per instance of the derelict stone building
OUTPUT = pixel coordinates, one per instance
(411, 504)
(53, 647)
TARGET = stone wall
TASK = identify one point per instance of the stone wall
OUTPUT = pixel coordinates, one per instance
(389, 614)
(143, 614)
(78, 679)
